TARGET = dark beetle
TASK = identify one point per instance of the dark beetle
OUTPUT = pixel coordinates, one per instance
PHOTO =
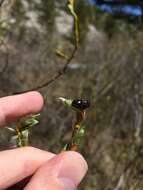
(80, 104)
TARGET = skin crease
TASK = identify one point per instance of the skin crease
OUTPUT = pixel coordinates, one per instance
(48, 171)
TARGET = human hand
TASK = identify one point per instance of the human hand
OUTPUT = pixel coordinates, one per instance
(49, 171)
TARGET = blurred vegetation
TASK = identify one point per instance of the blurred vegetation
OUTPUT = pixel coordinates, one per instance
(107, 70)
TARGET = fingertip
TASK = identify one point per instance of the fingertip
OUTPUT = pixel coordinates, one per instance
(75, 163)
(75, 156)
(13, 107)
(36, 98)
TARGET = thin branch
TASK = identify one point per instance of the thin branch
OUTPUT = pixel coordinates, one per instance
(68, 61)
(57, 76)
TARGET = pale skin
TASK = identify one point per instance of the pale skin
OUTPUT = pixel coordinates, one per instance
(49, 171)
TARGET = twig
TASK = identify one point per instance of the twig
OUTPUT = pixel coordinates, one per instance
(20, 131)
(78, 131)
(58, 75)
(68, 61)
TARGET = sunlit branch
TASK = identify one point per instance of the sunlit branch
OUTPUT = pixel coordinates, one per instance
(69, 59)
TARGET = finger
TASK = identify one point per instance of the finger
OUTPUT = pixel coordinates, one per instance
(63, 172)
(13, 107)
(18, 164)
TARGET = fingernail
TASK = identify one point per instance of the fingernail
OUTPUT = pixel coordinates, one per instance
(64, 171)
(72, 169)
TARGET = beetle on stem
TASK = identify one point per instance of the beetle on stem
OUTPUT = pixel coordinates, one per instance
(79, 106)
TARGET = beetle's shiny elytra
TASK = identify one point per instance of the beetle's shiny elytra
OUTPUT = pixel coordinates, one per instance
(80, 104)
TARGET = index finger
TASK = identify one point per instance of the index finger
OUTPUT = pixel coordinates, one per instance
(13, 107)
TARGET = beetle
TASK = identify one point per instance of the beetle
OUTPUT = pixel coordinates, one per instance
(80, 104)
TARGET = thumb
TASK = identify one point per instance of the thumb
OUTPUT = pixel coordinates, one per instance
(63, 172)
